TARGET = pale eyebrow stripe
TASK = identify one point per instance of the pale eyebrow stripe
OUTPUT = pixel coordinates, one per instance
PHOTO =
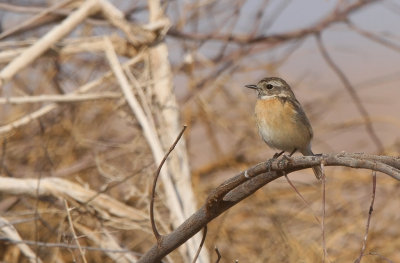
(276, 83)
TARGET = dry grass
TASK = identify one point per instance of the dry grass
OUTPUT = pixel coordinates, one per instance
(275, 225)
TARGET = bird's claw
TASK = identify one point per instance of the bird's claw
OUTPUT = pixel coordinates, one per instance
(289, 158)
(269, 164)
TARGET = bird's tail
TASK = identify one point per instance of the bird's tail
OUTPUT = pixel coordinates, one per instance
(316, 169)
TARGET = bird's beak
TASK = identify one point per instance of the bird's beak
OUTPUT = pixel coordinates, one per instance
(252, 86)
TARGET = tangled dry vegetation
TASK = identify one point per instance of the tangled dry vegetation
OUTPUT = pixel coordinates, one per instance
(88, 110)
(276, 225)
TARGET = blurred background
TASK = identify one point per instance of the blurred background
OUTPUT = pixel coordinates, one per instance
(187, 63)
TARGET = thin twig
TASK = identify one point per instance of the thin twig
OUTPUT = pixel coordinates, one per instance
(30, 54)
(139, 88)
(380, 257)
(201, 244)
(36, 212)
(301, 197)
(373, 37)
(148, 131)
(371, 209)
(335, 16)
(135, 34)
(73, 231)
(323, 212)
(53, 186)
(3, 154)
(35, 18)
(353, 93)
(110, 186)
(61, 98)
(64, 246)
(8, 232)
(153, 191)
(50, 107)
(218, 255)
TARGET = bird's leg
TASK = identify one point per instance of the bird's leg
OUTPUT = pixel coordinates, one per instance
(276, 155)
(290, 155)
(269, 162)
(294, 150)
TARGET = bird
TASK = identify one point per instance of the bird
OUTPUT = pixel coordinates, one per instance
(282, 122)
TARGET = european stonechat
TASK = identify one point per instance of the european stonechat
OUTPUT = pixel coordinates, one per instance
(281, 120)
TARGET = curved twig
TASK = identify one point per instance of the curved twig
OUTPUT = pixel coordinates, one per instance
(201, 244)
(153, 191)
(218, 255)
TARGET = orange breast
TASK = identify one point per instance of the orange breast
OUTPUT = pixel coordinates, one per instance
(279, 127)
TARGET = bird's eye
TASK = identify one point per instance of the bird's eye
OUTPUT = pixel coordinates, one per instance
(269, 86)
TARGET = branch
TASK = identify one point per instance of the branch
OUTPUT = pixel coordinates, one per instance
(153, 191)
(201, 244)
(72, 97)
(40, 46)
(31, 21)
(247, 182)
(371, 209)
(50, 107)
(374, 37)
(71, 225)
(103, 205)
(334, 17)
(8, 232)
(66, 246)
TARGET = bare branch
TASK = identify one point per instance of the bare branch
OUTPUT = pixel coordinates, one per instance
(63, 246)
(58, 32)
(218, 255)
(73, 97)
(9, 232)
(247, 182)
(71, 224)
(50, 107)
(53, 186)
(153, 191)
(29, 22)
(334, 17)
(134, 33)
(323, 213)
(373, 37)
(371, 209)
